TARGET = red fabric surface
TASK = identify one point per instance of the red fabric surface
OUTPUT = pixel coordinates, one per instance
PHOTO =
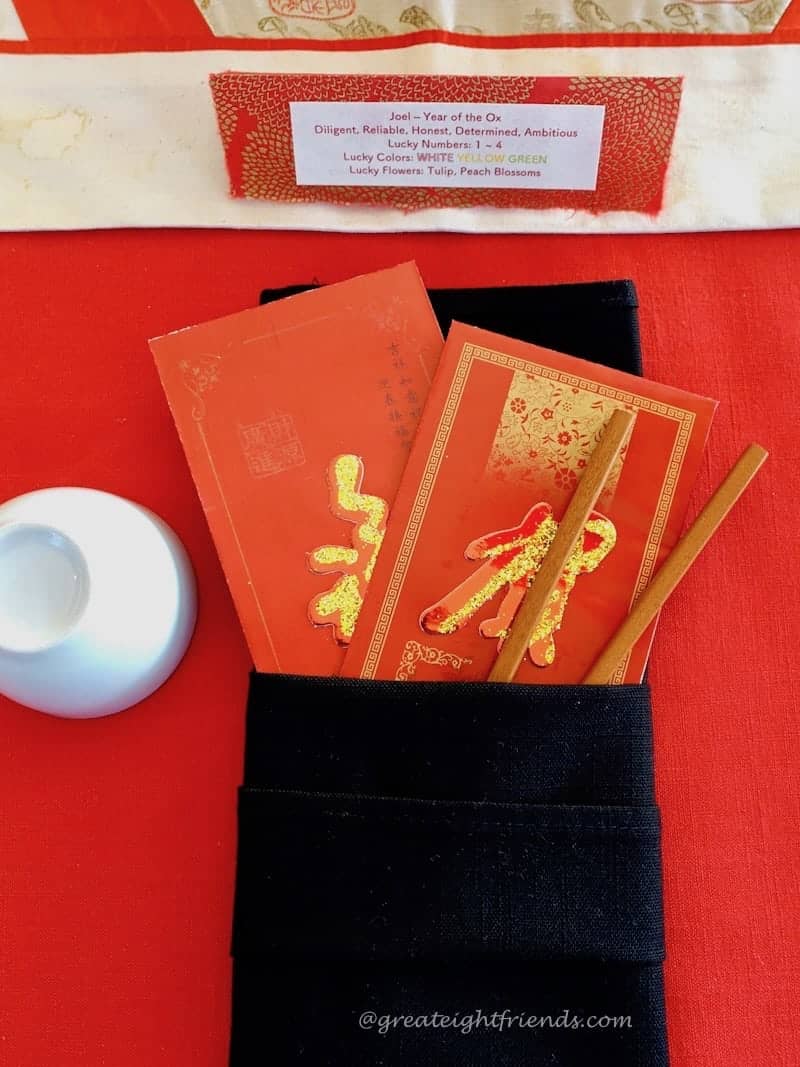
(117, 835)
(104, 19)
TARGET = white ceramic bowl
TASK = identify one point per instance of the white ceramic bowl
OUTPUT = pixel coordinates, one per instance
(97, 602)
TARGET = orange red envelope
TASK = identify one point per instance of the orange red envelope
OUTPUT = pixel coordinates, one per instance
(296, 419)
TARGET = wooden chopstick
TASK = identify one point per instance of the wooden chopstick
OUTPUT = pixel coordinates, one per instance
(677, 564)
(570, 529)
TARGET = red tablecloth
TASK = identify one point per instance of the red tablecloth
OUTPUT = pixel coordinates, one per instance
(117, 835)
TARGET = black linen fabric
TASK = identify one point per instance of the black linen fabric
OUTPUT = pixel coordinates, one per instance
(592, 320)
(454, 873)
(414, 852)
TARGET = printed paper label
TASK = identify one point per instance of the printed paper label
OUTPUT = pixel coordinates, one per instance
(455, 145)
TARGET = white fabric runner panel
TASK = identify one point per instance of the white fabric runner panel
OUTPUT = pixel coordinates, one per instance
(131, 139)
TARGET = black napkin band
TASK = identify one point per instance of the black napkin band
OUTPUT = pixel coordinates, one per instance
(349, 877)
(555, 744)
(592, 320)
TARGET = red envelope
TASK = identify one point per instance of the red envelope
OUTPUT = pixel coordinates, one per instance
(296, 419)
(507, 431)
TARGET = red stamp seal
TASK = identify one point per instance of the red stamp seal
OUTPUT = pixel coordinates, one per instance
(314, 9)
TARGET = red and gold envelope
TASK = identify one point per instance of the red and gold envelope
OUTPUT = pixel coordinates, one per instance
(507, 431)
(296, 419)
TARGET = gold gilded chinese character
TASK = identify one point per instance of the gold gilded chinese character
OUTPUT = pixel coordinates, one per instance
(512, 559)
(340, 605)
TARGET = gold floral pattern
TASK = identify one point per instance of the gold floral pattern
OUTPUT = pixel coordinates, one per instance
(366, 19)
(417, 18)
(360, 29)
(415, 653)
(546, 434)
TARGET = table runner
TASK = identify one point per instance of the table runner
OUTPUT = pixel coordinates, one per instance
(130, 139)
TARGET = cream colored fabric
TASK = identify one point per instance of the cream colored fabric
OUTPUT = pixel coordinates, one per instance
(131, 140)
(338, 19)
(11, 29)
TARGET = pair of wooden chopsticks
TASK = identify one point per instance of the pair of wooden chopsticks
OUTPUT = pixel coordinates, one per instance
(669, 574)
